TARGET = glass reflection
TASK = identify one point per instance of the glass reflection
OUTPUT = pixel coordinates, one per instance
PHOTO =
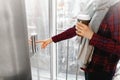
(38, 22)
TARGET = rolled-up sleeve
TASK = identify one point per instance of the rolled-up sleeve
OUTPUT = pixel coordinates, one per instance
(69, 33)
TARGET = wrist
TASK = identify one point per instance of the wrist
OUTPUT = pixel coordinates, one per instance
(50, 40)
(91, 35)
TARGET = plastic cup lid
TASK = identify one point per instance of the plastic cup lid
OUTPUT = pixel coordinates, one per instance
(83, 17)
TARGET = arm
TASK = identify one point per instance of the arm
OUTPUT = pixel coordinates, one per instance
(69, 33)
(98, 41)
(105, 44)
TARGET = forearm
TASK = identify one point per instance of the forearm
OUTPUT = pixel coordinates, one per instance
(69, 33)
(105, 44)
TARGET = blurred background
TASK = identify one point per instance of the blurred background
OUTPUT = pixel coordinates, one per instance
(21, 20)
(58, 61)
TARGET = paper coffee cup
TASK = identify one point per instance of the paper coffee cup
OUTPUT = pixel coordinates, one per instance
(85, 19)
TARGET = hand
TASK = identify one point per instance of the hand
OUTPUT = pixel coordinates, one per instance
(84, 30)
(44, 42)
(29, 41)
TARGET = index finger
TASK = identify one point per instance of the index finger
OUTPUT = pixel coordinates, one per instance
(39, 41)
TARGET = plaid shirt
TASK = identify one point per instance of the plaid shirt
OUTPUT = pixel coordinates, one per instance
(107, 43)
(69, 33)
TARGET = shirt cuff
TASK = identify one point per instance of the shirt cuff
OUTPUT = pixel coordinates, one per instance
(54, 39)
(94, 39)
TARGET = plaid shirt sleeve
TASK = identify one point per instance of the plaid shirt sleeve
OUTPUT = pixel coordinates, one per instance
(69, 33)
(105, 44)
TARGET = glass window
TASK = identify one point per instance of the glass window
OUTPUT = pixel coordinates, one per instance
(38, 22)
(67, 68)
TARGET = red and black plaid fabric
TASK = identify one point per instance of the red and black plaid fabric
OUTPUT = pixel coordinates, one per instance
(107, 43)
(69, 33)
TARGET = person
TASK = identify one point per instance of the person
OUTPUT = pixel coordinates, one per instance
(97, 10)
(106, 51)
(106, 44)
